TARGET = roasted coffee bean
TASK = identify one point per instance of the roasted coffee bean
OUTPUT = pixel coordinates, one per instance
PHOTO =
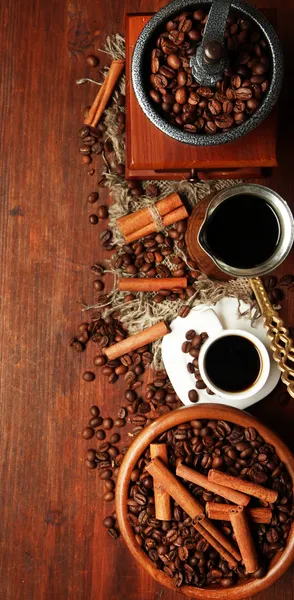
(119, 422)
(100, 434)
(95, 422)
(93, 197)
(107, 423)
(88, 376)
(93, 219)
(108, 496)
(102, 212)
(193, 396)
(92, 60)
(98, 285)
(88, 433)
(94, 411)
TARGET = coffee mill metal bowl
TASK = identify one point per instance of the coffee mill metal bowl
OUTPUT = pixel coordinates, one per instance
(142, 57)
(278, 564)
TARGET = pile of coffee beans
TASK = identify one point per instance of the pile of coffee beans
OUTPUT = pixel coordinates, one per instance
(133, 415)
(192, 346)
(146, 258)
(175, 546)
(203, 109)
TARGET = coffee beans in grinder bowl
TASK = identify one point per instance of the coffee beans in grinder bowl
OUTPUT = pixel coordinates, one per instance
(204, 501)
(207, 73)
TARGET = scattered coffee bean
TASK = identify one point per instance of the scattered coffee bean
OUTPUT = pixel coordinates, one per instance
(92, 60)
(107, 423)
(193, 396)
(119, 422)
(102, 212)
(93, 197)
(88, 376)
(108, 497)
(100, 434)
(88, 433)
(94, 411)
(109, 522)
(98, 285)
(93, 219)
(100, 360)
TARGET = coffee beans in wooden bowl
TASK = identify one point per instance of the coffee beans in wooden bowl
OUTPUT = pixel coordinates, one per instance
(208, 439)
(202, 109)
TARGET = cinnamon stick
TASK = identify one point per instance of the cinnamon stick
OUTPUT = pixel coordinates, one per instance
(139, 219)
(218, 535)
(89, 118)
(153, 284)
(133, 342)
(176, 490)
(220, 512)
(105, 93)
(169, 219)
(247, 487)
(195, 477)
(161, 497)
(232, 562)
(189, 504)
(244, 539)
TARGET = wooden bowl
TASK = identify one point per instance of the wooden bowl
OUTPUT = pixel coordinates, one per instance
(278, 564)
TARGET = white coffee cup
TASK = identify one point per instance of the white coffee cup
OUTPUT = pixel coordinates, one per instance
(264, 365)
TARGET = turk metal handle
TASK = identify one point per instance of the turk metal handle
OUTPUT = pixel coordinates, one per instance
(281, 343)
(209, 62)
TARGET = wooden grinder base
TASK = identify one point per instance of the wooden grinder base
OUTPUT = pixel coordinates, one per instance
(151, 154)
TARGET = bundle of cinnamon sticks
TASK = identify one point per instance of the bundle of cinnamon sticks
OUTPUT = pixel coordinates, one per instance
(105, 93)
(165, 212)
(231, 488)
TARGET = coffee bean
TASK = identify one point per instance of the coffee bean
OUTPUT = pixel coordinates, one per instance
(100, 434)
(76, 345)
(93, 197)
(91, 455)
(92, 60)
(88, 433)
(108, 497)
(102, 212)
(100, 360)
(119, 422)
(91, 464)
(98, 285)
(106, 474)
(109, 485)
(113, 533)
(88, 376)
(109, 522)
(193, 396)
(94, 411)
(200, 385)
(86, 160)
(93, 219)
(95, 422)
(107, 423)
(114, 438)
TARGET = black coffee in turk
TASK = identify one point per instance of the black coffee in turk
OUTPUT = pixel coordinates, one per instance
(232, 363)
(243, 231)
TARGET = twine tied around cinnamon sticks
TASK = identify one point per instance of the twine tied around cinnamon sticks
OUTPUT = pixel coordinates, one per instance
(145, 221)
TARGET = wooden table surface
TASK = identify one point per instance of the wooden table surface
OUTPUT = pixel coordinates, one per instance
(53, 545)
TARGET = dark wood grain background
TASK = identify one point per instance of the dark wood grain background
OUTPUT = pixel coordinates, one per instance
(53, 545)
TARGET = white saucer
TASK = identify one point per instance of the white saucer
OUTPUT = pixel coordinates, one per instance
(175, 361)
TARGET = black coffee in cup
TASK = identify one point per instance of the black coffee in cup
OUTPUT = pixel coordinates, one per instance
(232, 363)
(243, 231)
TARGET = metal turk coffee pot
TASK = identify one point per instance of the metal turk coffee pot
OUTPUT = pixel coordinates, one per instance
(281, 343)
(284, 217)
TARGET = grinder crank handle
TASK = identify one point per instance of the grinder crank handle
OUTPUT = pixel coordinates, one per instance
(210, 60)
(214, 32)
